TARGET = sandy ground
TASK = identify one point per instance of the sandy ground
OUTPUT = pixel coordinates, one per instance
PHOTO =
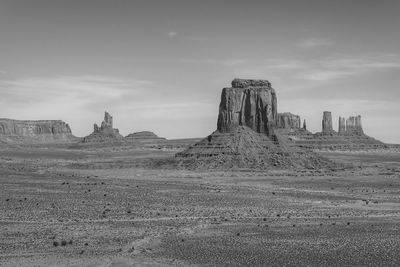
(70, 207)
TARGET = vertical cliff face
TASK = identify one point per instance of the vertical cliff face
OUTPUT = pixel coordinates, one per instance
(353, 125)
(42, 131)
(288, 120)
(342, 126)
(250, 103)
(327, 123)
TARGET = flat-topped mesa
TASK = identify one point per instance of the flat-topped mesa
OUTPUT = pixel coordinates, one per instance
(40, 131)
(353, 126)
(342, 126)
(250, 103)
(327, 123)
(288, 120)
(144, 136)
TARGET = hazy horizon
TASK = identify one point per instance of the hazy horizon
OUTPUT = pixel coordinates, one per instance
(161, 65)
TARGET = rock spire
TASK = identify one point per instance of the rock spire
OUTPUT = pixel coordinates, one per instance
(342, 126)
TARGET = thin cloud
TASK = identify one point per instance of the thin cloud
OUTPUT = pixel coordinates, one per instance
(314, 42)
(172, 34)
(224, 62)
(341, 67)
(324, 69)
(198, 38)
(70, 88)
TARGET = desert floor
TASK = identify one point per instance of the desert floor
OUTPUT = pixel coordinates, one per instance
(81, 207)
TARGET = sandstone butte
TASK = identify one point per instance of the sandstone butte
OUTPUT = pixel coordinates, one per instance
(250, 103)
(247, 135)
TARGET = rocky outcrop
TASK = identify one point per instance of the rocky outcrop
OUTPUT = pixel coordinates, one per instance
(247, 135)
(105, 133)
(250, 103)
(288, 120)
(353, 126)
(41, 131)
(342, 126)
(327, 123)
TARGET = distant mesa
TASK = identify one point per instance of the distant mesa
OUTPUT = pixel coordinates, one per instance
(32, 132)
(289, 124)
(247, 134)
(288, 121)
(105, 133)
(144, 136)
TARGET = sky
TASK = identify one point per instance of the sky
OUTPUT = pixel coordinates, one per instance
(161, 65)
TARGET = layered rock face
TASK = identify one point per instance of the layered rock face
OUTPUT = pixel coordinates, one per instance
(288, 120)
(353, 125)
(105, 133)
(327, 123)
(250, 103)
(41, 131)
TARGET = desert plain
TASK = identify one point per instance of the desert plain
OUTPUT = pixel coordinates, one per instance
(66, 206)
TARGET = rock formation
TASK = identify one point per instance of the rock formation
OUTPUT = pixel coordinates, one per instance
(353, 126)
(342, 126)
(250, 103)
(144, 136)
(350, 136)
(105, 133)
(41, 131)
(327, 123)
(247, 135)
(288, 120)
